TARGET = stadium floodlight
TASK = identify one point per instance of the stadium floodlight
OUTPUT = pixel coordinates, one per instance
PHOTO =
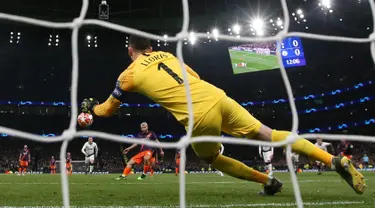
(238, 36)
(258, 24)
(57, 36)
(299, 11)
(293, 14)
(165, 37)
(88, 37)
(215, 33)
(260, 33)
(330, 11)
(279, 22)
(236, 29)
(326, 3)
(192, 38)
(301, 16)
(271, 20)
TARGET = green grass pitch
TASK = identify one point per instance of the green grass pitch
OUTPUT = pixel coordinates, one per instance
(254, 61)
(162, 191)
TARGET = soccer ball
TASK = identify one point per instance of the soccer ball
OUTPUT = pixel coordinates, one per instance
(85, 119)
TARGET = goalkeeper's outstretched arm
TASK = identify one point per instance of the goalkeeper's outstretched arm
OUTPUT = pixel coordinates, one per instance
(109, 107)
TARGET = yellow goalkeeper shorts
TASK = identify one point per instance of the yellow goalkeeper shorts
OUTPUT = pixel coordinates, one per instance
(227, 116)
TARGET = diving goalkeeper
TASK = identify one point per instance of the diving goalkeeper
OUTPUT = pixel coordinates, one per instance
(158, 75)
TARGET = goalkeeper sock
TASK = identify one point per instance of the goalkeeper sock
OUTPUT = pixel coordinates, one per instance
(151, 170)
(126, 171)
(177, 170)
(239, 170)
(303, 146)
(91, 168)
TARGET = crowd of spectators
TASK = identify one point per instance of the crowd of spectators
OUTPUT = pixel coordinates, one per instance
(111, 159)
(250, 46)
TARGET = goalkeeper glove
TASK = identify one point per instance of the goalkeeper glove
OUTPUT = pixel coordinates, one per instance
(88, 104)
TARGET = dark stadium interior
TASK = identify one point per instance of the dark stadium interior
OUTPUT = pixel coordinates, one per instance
(31, 70)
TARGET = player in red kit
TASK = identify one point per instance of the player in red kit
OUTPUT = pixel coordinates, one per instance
(52, 165)
(69, 167)
(144, 155)
(345, 149)
(177, 159)
(24, 160)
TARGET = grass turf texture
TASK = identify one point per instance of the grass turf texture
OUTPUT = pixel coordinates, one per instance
(255, 62)
(202, 190)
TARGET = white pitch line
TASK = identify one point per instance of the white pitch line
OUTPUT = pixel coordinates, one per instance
(146, 183)
(208, 205)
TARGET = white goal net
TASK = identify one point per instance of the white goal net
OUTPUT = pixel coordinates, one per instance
(71, 132)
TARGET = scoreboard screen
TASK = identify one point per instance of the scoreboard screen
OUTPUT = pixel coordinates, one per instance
(261, 56)
(292, 52)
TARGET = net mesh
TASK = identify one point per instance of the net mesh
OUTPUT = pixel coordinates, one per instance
(182, 144)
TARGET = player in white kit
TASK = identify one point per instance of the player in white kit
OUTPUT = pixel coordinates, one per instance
(295, 160)
(267, 154)
(90, 150)
(323, 146)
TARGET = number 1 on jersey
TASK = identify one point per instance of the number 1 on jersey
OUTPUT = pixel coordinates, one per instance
(171, 73)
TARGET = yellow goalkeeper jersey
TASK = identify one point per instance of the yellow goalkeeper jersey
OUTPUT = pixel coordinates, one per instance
(158, 75)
